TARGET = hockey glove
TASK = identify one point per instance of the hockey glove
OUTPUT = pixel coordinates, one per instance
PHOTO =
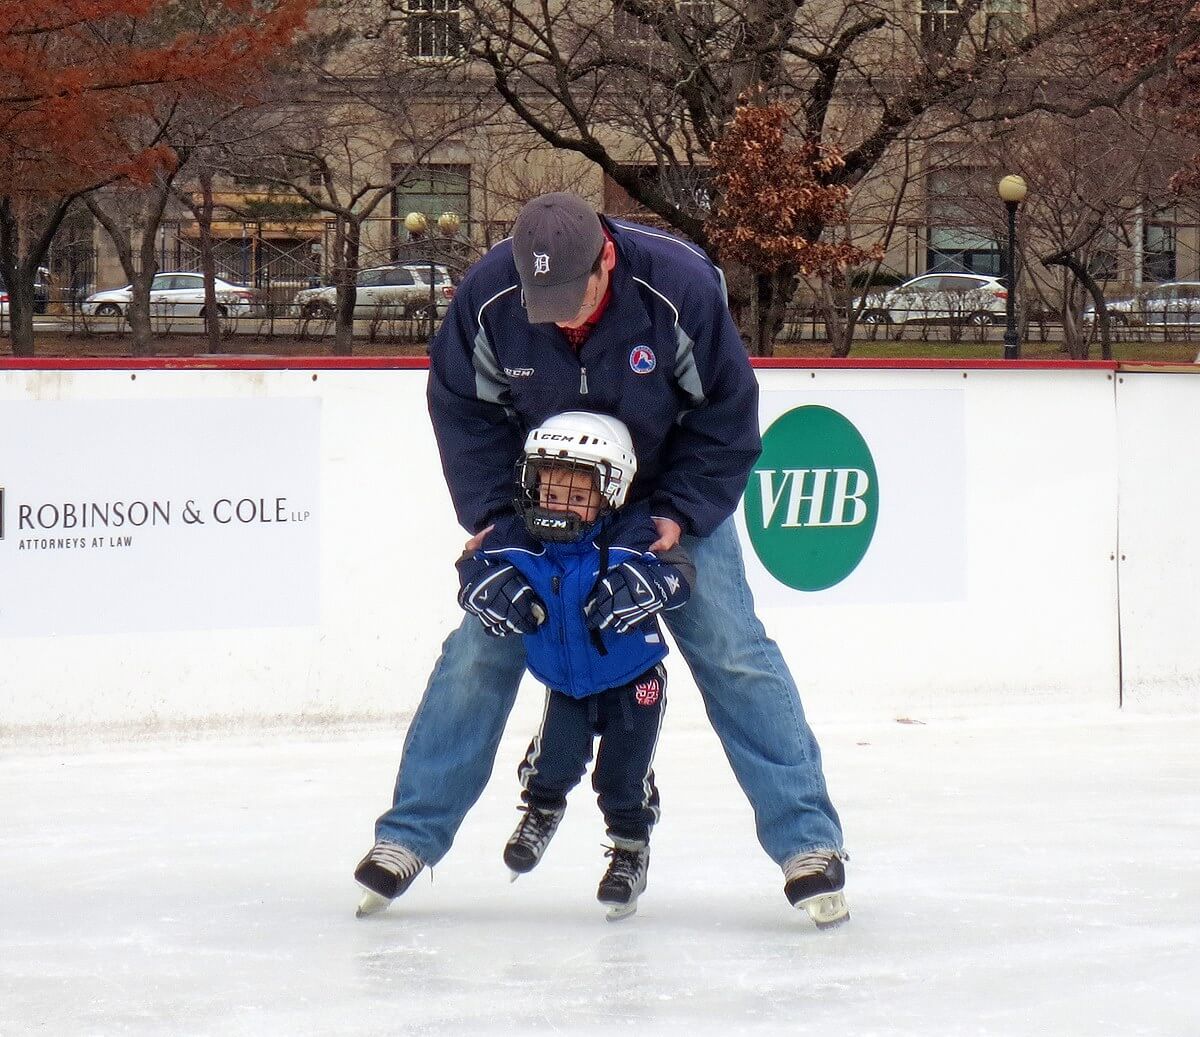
(499, 597)
(632, 593)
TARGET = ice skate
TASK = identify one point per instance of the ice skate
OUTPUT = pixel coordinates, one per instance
(529, 841)
(813, 882)
(625, 879)
(370, 904)
(384, 873)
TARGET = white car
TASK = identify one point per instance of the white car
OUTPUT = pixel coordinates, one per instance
(401, 290)
(175, 294)
(974, 299)
(1175, 304)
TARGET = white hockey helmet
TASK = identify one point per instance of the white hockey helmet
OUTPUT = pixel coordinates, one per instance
(584, 441)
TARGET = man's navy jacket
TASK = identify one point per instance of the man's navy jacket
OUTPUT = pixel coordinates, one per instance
(665, 358)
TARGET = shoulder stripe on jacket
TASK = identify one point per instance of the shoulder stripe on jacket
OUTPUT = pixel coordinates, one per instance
(674, 308)
(491, 385)
(664, 237)
(503, 291)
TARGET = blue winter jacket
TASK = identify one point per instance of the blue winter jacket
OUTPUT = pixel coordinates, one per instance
(665, 358)
(562, 652)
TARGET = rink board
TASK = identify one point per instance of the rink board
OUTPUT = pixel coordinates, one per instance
(1158, 426)
(314, 578)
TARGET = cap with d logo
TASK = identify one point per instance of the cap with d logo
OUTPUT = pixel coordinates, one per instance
(555, 241)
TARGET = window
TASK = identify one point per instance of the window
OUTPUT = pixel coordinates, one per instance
(1158, 251)
(1003, 22)
(1103, 263)
(433, 29)
(924, 284)
(369, 278)
(939, 19)
(960, 284)
(432, 190)
(398, 275)
(956, 243)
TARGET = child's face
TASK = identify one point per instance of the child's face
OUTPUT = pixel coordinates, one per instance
(567, 489)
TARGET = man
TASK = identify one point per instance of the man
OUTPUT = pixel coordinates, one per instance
(579, 312)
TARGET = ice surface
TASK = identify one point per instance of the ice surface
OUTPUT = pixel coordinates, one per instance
(1011, 874)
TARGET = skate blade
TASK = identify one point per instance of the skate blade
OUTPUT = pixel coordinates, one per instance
(371, 904)
(618, 911)
(827, 911)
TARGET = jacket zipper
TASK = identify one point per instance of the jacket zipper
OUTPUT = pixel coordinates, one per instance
(555, 585)
(583, 389)
(555, 588)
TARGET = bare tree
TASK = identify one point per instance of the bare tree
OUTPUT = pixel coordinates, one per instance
(645, 88)
(356, 122)
(1087, 177)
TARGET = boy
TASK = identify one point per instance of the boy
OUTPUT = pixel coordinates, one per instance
(598, 649)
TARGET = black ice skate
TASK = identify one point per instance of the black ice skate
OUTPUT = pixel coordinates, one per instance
(384, 873)
(814, 881)
(625, 879)
(529, 841)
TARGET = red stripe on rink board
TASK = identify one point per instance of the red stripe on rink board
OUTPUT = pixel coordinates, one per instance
(403, 363)
(214, 363)
(925, 364)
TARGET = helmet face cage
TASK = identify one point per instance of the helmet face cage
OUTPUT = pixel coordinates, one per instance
(577, 466)
(561, 495)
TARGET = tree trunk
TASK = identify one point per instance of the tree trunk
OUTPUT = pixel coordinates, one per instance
(1085, 278)
(141, 278)
(208, 266)
(22, 251)
(138, 314)
(757, 302)
(347, 238)
(20, 315)
(839, 330)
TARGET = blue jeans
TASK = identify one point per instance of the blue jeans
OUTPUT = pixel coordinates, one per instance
(747, 690)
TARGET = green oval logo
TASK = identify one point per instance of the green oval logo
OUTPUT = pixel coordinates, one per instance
(812, 500)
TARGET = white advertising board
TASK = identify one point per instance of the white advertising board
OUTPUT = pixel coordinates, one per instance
(1158, 418)
(989, 575)
(859, 497)
(120, 516)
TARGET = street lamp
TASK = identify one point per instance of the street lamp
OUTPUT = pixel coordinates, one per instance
(417, 225)
(1012, 190)
(448, 223)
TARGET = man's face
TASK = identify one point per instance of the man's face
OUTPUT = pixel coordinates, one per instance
(596, 287)
(570, 489)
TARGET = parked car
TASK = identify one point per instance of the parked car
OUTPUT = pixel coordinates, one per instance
(974, 299)
(1173, 304)
(400, 290)
(175, 294)
(41, 293)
